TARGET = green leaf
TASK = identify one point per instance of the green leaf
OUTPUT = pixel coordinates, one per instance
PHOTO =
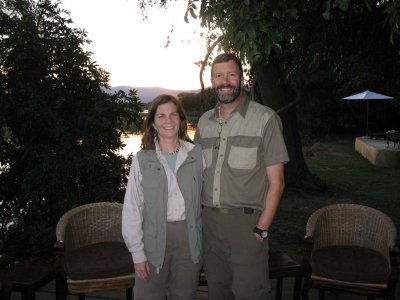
(277, 48)
(193, 14)
(293, 12)
(186, 17)
(327, 13)
(342, 4)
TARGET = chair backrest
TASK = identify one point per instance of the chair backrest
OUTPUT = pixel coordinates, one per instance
(352, 225)
(351, 243)
(89, 224)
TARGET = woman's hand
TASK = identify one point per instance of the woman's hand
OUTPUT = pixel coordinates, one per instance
(142, 270)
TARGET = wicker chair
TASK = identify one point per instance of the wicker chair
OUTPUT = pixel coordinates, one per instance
(350, 248)
(92, 255)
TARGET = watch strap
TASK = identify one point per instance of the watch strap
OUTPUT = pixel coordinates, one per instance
(263, 233)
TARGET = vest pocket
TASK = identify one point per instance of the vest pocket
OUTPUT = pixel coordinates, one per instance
(154, 171)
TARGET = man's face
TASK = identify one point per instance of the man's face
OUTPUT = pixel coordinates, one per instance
(226, 81)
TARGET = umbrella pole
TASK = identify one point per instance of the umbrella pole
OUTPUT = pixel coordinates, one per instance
(367, 118)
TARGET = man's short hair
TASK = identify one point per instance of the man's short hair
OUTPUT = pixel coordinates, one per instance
(225, 57)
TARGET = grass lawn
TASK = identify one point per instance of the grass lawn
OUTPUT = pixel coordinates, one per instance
(349, 177)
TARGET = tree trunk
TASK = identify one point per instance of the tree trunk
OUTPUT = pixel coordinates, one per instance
(272, 93)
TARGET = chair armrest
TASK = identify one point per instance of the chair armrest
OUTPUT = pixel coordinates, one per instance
(308, 239)
(306, 262)
(6, 260)
(394, 252)
(59, 250)
(61, 276)
(59, 247)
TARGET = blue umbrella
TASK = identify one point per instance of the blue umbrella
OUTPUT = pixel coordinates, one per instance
(366, 96)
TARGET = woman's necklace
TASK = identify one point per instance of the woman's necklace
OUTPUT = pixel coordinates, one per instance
(175, 151)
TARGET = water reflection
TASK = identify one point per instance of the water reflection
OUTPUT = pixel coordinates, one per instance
(132, 143)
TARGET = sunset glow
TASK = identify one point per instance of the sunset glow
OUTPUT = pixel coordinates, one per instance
(133, 50)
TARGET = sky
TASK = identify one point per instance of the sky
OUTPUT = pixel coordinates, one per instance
(133, 50)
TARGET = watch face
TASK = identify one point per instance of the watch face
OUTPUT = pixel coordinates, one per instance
(260, 232)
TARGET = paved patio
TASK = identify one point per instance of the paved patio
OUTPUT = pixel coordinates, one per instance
(48, 293)
(377, 152)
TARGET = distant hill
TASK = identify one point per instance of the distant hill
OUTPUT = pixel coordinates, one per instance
(147, 94)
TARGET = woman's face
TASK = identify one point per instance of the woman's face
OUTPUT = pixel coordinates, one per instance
(167, 121)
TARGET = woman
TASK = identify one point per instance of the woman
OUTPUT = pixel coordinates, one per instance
(161, 217)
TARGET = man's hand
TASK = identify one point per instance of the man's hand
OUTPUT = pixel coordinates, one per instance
(142, 270)
(258, 237)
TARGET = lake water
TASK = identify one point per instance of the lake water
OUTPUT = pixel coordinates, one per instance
(133, 141)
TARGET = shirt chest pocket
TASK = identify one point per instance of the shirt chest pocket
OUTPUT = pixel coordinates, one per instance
(153, 175)
(243, 158)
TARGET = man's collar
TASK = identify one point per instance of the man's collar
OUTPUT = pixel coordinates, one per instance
(243, 105)
(241, 108)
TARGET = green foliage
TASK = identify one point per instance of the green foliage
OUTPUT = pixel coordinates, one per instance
(392, 11)
(131, 121)
(60, 131)
(332, 4)
(192, 103)
(253, 29)
(330, 59)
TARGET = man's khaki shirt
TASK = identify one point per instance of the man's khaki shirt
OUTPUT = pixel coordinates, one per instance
(237, 152)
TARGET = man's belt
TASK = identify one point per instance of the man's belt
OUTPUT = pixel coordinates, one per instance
(234, 211)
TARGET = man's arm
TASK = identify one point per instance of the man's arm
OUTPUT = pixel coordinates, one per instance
(275, 174)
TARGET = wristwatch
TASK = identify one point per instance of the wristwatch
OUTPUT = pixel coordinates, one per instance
(263, 233)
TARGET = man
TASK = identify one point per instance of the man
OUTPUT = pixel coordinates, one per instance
(243, 182)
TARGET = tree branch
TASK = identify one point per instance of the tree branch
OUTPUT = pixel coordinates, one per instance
(203, 65)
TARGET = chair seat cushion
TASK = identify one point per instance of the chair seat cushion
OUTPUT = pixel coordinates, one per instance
(101, 260)
(350, 263)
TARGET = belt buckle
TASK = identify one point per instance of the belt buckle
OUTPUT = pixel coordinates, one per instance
(248, 210)
(223, 210)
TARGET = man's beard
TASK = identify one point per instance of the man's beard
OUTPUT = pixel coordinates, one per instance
(225, 99)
